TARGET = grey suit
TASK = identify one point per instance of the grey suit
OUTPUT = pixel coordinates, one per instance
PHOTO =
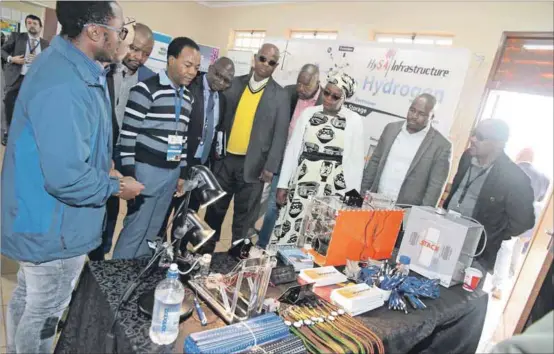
(240, 175)
(426, 177)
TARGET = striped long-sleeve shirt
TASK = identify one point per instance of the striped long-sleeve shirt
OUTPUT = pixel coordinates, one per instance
(148, 122)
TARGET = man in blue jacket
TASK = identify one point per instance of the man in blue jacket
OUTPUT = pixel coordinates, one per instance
(56, 175)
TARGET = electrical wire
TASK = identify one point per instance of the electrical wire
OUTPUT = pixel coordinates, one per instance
(111, 344)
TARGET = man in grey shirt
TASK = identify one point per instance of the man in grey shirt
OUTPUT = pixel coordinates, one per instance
(130, 72)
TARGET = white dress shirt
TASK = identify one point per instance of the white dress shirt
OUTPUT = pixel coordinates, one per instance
(256, 85)
(401, 155)
(28, 47)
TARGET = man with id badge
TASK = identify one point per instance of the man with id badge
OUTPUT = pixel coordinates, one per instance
(19, 52)
(153, 145)
(492, 189)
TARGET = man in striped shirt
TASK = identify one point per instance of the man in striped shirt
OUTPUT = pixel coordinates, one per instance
(153, 145)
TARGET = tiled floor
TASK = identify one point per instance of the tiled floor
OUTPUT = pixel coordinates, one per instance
(9, 268)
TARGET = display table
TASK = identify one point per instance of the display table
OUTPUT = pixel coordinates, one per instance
(452, 323)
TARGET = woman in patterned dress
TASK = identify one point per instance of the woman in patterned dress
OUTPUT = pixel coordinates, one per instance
(325, 156)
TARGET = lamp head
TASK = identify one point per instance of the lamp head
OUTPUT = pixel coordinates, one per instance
(208, 189)
(196, 230)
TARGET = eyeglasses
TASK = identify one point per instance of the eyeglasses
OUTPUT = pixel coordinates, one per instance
(328, 93)
(121, 32)
(263, 59)
(479, 136)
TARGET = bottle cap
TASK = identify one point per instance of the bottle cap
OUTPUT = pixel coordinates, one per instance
(207, 257)
(404, 260)
(173, 267)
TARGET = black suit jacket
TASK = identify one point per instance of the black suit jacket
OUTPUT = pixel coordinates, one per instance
(269, 130)
(196, 123)
(16, 45)
(291, 90)
(504, 205)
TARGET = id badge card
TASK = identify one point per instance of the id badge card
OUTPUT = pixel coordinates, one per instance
(174, 148)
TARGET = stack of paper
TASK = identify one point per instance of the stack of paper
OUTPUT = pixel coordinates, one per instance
(295, 257)
(357, 299)
(322, 276)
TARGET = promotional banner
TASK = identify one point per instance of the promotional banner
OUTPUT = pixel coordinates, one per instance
(158, 58)
(242, 60)
(389, 76)
(208, 56)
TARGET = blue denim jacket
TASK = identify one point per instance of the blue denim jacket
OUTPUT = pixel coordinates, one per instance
(55, 177)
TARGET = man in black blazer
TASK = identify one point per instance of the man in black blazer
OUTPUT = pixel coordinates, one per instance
(307, 92)
(208, 111)
(257, 118)
(19, 52)
(492, 189)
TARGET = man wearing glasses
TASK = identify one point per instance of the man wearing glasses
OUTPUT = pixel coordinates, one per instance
(492, 189)
(56, 172)
(256, 124)
(134, 51)
(412, 159)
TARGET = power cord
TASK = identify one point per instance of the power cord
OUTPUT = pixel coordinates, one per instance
(111, 344)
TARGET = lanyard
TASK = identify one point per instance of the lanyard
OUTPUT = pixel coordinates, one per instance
(470, 182)
(32, 50)
(178, 107)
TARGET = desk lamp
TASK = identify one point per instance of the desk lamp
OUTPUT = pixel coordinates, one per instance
(196, 231)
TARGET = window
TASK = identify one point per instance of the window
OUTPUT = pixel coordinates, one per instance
(313, 35)
(248, 40)
(414, 38)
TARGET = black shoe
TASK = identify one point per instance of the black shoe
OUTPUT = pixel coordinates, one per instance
(4, 138)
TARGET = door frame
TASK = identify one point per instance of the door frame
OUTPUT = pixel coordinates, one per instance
(514, 308)
(496, 64)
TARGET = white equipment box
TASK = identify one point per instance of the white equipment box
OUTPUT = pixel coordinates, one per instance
(440, 245)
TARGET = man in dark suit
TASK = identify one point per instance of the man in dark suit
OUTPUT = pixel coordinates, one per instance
(19, 52)
(493, 190)
(256, 123)
(207, 116)
(412, 159)
(306, 93)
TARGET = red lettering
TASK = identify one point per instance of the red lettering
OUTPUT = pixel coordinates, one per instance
(429, 245)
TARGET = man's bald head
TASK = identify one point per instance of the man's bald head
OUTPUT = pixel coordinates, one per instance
(307, 83)
(420, 112)
(220, 74)
(266, 61)
(141, 48)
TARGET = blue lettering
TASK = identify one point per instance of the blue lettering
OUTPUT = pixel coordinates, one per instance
(390, 87)
(404, 90)
(370, 83)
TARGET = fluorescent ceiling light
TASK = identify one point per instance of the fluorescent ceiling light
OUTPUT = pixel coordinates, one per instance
(538, 46)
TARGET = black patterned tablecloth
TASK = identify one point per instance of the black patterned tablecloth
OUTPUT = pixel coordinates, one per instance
(450, 324)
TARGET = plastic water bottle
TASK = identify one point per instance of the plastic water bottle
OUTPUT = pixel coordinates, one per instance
(167, 308)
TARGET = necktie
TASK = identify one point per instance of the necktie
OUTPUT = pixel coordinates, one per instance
(208, 129)
(34, 45)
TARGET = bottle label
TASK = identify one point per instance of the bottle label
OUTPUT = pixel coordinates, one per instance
(171, 317)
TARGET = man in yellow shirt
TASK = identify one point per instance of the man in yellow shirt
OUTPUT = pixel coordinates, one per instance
(256, 125)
